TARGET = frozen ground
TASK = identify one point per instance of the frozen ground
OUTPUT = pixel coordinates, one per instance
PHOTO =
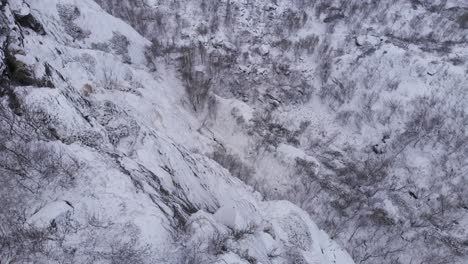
(103, 159)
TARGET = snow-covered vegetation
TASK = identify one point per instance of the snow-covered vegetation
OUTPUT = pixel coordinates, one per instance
(234, 131)
(95, 160)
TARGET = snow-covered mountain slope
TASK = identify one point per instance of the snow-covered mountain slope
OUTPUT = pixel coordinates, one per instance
(354, 110)
(103, 160)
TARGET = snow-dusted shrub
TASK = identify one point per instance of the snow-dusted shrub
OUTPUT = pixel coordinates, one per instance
(424, 121)
(221, 59)
(217, 243)
(90, 138)
(199, 84)
(120, 131)
(307, 44)
(325, 69)
(463, 20)
(109, 78)
(158, 49)
(233, 164)
(88, 62)
(249, 229)
(35, 165)
(100, 46)
(295, 256)
(214, 22)
(193, 254)
(119, 43)
(321, 7)
(294, 20)
(103, 244)
(202, 29)
(123, 252)
(20, 243)
(68, 13)
(368, 101)
(343, 117)
(282, 68)
(298, 91)
(27, 157)
(196, 77)
(282, 44)
(381, 217)
(202, 250)
(338, 93)
(392, 85)
(87, 89)
(229, 18)
(29, 165)
(392, 108)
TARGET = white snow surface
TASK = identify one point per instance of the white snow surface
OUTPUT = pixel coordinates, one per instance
(151, 171)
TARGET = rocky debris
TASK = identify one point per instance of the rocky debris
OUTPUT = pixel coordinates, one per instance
(23, 74)
(29, 21)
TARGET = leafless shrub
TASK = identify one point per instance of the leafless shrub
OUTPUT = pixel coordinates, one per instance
(20, 243)
(29, 166)
(338, 93)
(241, 233)
(392, 85)
(294, 256)
(294, 20)
(368, 100)
(123, 252)
(321, 8)
(34, 166)
(160, 19)
(109, 78)
(248, 257)
(197, 81)
(87, 90)
(100, 46)
(202, 29)
(233, 164)
(119, 43)
(381, 217)
(221, 60)
(31, 162)
(392, 108)
(343, 117)
(308, 44)
(229, 17)
(193, 254)
(68, 13)
(88, 62)
(283, 44)
(154, 51)
(214, 23)
(217, 243)
(203, 250)
(109, 242)
(424, 120)
(325, 70)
